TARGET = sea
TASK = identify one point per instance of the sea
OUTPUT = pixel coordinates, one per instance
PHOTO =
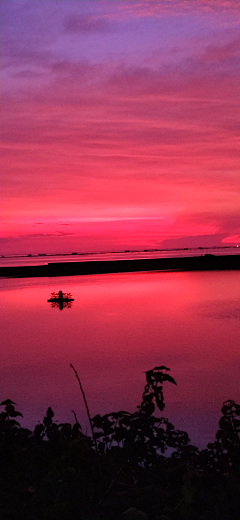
(117, 327)
(84, 256)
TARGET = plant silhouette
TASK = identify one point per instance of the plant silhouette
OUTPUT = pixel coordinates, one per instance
(55, 472)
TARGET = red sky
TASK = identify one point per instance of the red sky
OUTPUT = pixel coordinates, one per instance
(120, 124)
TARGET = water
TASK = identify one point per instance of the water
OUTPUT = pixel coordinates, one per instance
(18, 260)
(119, 326)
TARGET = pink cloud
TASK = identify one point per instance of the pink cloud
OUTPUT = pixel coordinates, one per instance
(86, 24)
(181, 7)
(117, 136)
(231, 240)
(220, 52)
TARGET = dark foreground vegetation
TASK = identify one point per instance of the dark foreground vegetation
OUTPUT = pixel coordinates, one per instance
(135, 467)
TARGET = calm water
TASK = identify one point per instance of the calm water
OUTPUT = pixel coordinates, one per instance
(119, 326)
(16, 260)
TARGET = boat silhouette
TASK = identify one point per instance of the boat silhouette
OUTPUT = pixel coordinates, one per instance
(61, 299)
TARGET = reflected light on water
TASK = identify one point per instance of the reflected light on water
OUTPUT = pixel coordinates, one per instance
(120, 326)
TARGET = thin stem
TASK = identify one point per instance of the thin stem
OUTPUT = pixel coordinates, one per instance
(76, 419)
(86, 405)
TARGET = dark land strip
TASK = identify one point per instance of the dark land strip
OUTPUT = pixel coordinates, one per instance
(196, 263)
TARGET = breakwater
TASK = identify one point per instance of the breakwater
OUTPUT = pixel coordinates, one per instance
(195, 263)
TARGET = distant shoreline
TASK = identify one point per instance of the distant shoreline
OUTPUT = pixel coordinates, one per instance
(121, 252)
(195, 263)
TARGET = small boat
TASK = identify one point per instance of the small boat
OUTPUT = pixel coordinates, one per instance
(61, 299)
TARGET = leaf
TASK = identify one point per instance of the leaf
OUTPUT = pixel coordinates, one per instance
(159, 377)
(158, 390)
(225, 409)
(77, 426)
(39, 429)
(126, 421)
(149, 376)
(167, 377)
(107, 428)
(224, 424)
(12, 423)
(120, 434)
(161, 368)
(7, 402)
(119, 414)
(10, 410)
(221, 434)
(97, 435)
(148, 398)
(161, 405)
(148, 408)
(15, 414)
(97, 421)
(47, 421)
(50, 413)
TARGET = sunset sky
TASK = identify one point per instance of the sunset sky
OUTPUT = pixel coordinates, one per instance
(120, 124)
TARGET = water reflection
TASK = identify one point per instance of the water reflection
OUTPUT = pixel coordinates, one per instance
(120, 326)
(61, 300)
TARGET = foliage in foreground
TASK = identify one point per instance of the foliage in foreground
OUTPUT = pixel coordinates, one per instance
(57, 473)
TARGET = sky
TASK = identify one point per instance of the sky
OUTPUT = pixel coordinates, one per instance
(119, 124)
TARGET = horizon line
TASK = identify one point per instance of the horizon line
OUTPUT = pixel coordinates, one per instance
(33, 255)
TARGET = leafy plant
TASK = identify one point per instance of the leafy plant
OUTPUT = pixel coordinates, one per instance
(153, 390)
(55, 472)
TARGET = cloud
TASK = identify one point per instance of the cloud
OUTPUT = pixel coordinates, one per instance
(86, 24)
(211, 240)
(42, 235)
(140, 122)
(221, 52)
(146, 8)
(235, 239)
